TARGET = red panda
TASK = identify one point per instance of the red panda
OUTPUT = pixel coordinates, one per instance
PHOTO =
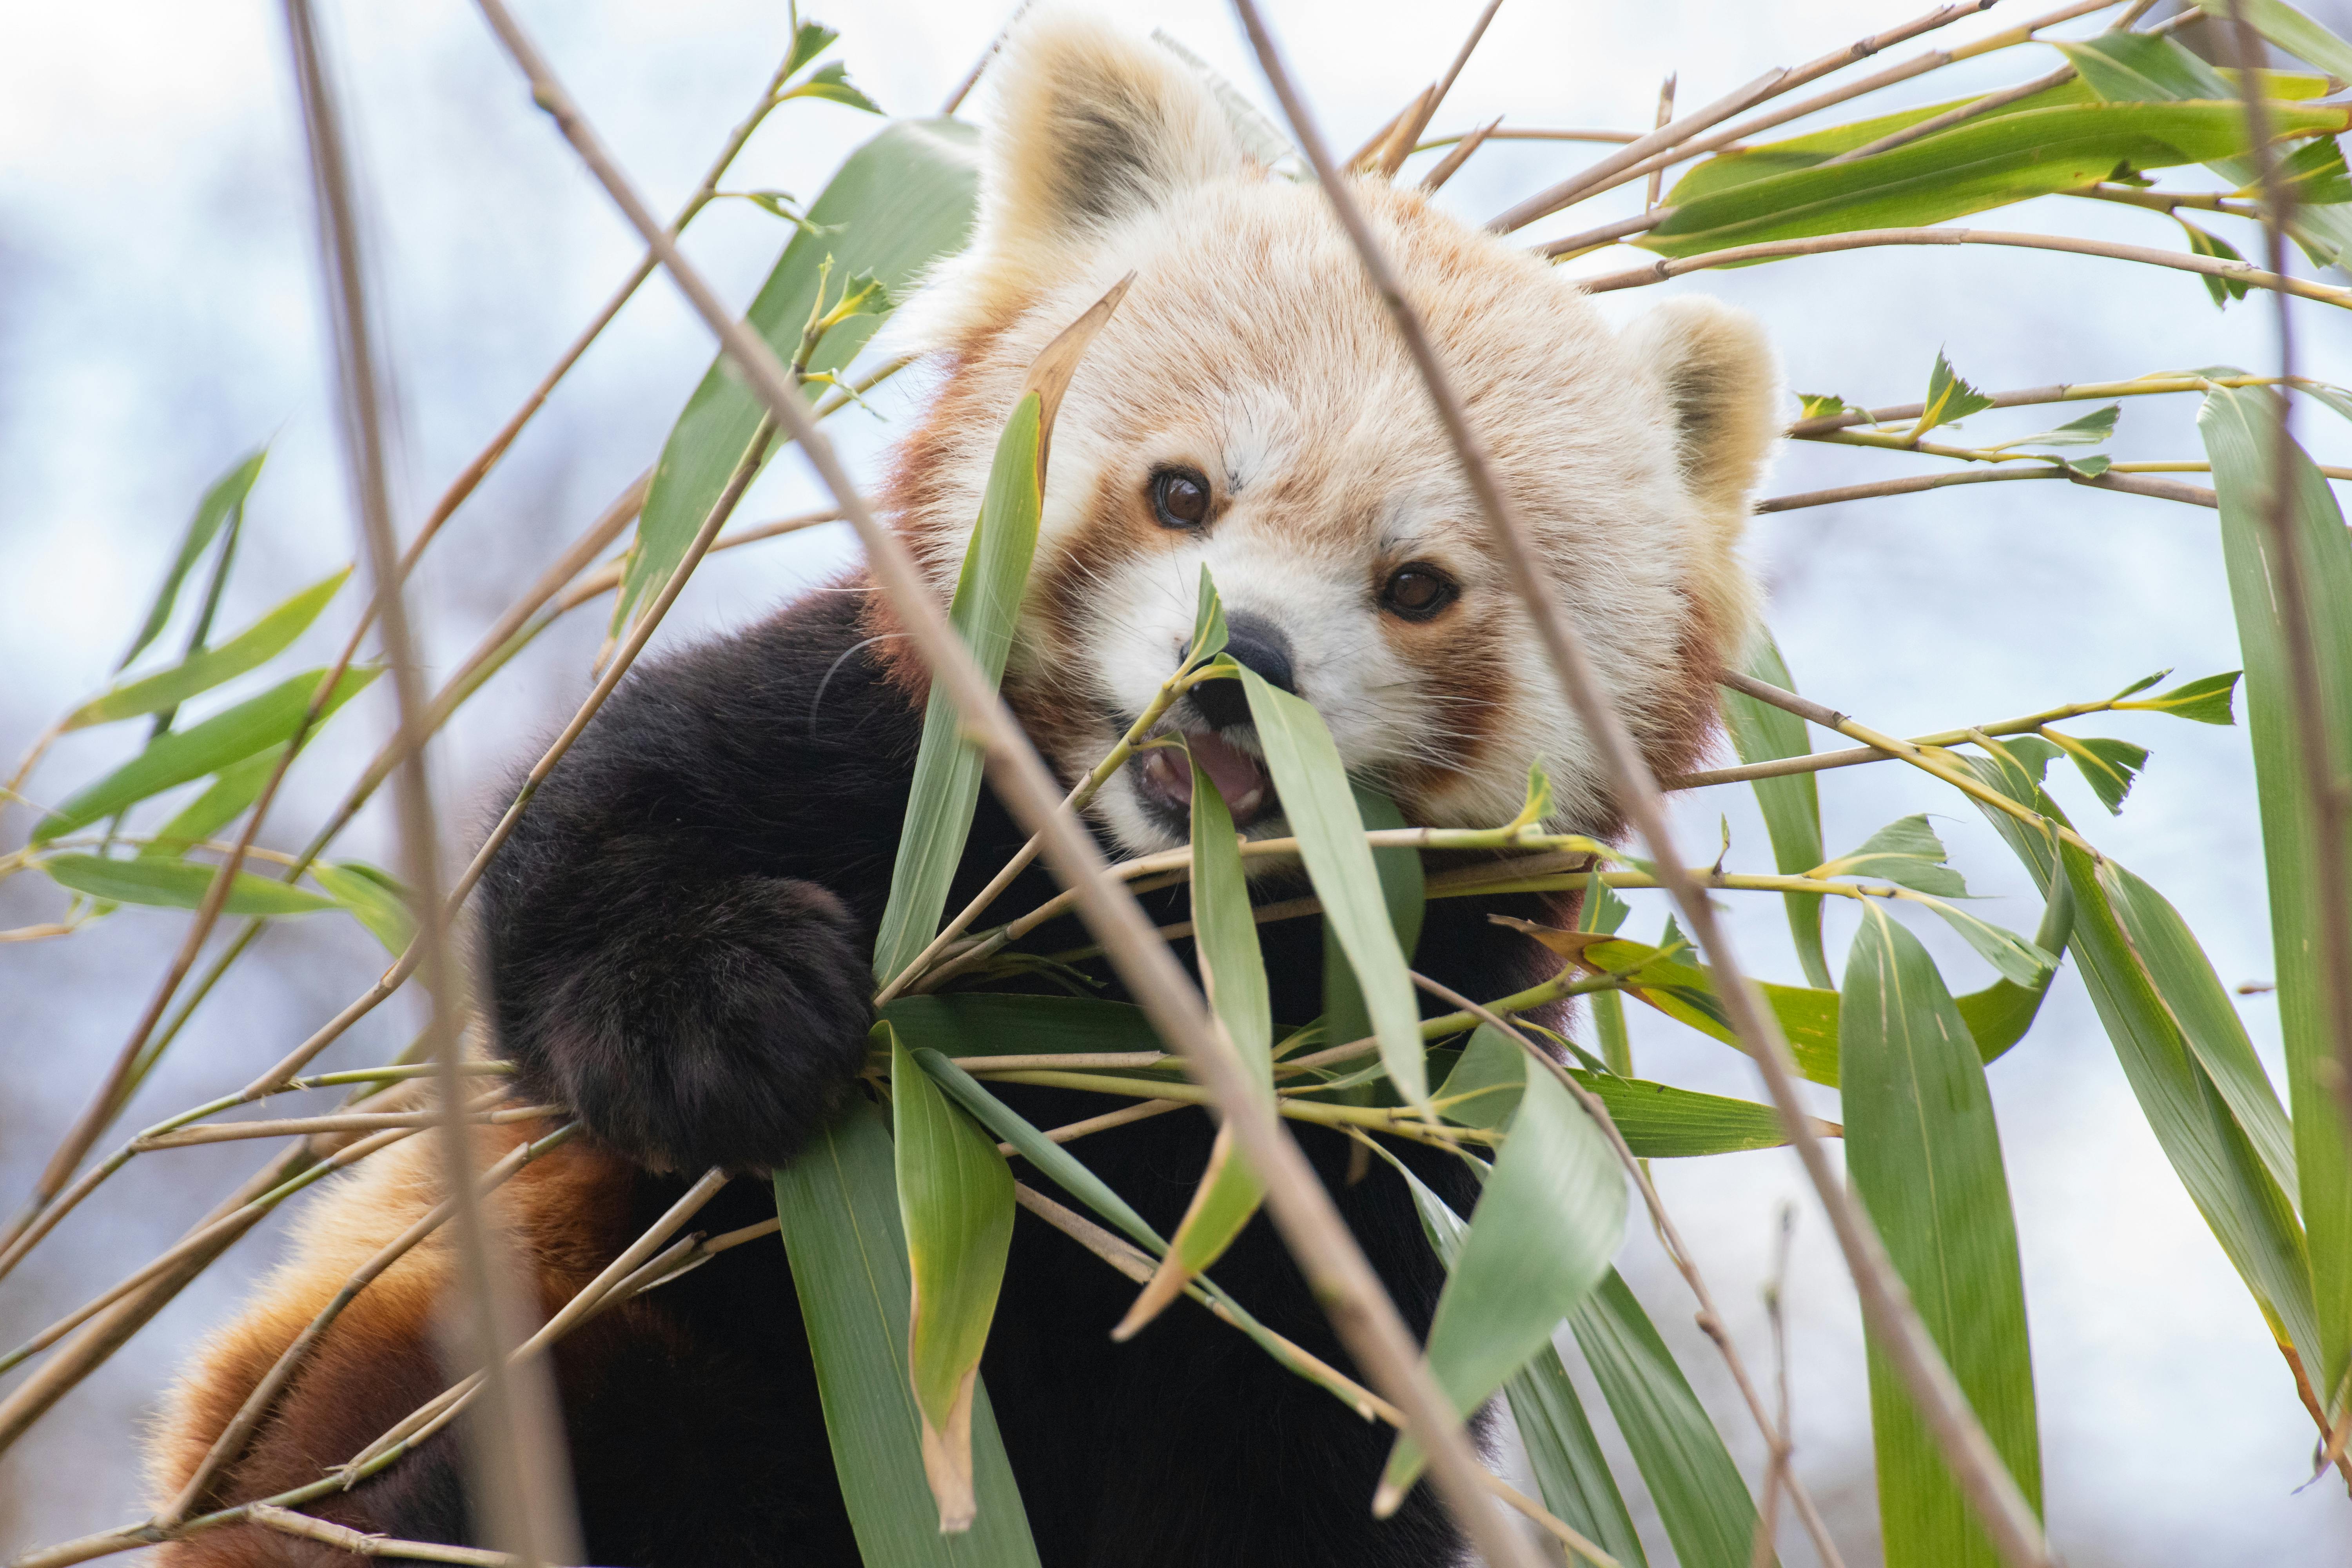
(676, 939)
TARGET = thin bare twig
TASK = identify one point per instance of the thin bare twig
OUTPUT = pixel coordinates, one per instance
(359, 1544)
(1951, 117)
(519, 1475)
(1666, 115)
(1335, 1267)
(1770, 85)
(2124, 484)
(2008, 1519)
(1861, 240)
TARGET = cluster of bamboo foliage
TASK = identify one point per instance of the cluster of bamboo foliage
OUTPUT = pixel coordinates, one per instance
(898, 1221)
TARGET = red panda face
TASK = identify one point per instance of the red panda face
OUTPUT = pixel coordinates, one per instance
(1249, 410)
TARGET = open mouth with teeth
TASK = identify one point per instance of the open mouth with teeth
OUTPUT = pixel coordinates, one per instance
(1164, 779)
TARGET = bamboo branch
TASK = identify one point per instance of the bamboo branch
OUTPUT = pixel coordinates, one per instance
(2122, 484)
(1860, 239)
(1335, 1267)
(1943, 1409)
(359, 1544)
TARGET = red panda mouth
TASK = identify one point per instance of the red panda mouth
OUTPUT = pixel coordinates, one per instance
(1165, 779)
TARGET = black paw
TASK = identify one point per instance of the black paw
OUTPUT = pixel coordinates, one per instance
(717, 1024)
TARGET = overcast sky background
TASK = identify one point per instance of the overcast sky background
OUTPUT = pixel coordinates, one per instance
(158, 318)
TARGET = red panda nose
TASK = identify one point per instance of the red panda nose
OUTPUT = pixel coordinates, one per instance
(1258, 646)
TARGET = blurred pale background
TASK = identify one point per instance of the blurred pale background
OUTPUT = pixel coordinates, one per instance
(158, 317)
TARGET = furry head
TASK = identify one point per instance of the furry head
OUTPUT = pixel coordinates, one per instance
(1250, 408)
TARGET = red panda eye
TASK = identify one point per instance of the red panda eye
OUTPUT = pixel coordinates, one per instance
(1418, 592)
(1180, 498)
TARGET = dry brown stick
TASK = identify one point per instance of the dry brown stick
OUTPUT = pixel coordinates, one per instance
(607, 577)
(1777, 1473)
(1710, 1320)
(1770, 85)
(1732, 136)
(1435, 179)
(2006, 1518)
(359, 1544)
(113, 1327)
(230, 1444)
(1656, 187)
(1336, 1269)
(962, 89)
(2123, 484)
(519, 1477)
(1861, 240)
(352, 1121)
(2318, 749)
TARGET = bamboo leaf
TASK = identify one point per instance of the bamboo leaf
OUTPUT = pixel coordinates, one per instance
(1345, 1016)
(1701, 1501)
(2297, 34)
(808, 42)
(2206, 702)
(1552, 1215)
(177, 756)
(831, 82)
(1906, 853)
(1992, 160)
(900, 201)
(233, 789)
(987, 602)
(208, 668)
(175, 884)
(1657, 1120)
(1321, 807)
(1569, 1468)
(375, 899)
(2109, 767)
(982, 1023)
(2090, 430)
(843, 1233)
(1924, 1154)
(224, 501)
(2241, 430)
(1792, 807)
(2020, 962)
(955, 1200)
(1949, 398)
(1234, 972)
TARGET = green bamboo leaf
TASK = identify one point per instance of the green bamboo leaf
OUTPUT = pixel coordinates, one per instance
(1824, 405)
(1552, 1215)
(1209, 631)
(1998, 1016)
(839, 1208)
(2314, 174)
(2297, 34)
(2127, 67)
(176, 757)
(1906, 853)
(955, 1200)
(1569, 1468)
(2241, 432)
(2204, 242)
(901, 201)
(1990, 161)
(1657, 1120)
(1791, 808)
(224, 501)
(2217, 1161)
(201, 671)
(233, 789)
(1321, 807)
(1924, 1153)
(2021, 962)
(1951, 397)
(808, 42)
(2109, 767)
(1232, 971)
(2090, 430)
(2207, 701)
(176, 884)
(831, 82)
(1708, 1516)
(987, 602)
(375, 899)
(1604, 912)
(1345, 1016)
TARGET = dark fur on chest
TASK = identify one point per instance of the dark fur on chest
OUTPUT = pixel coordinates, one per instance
(678, 941)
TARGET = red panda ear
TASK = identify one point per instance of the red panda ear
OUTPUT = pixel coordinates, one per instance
(1722, 387)
(1090, 125)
